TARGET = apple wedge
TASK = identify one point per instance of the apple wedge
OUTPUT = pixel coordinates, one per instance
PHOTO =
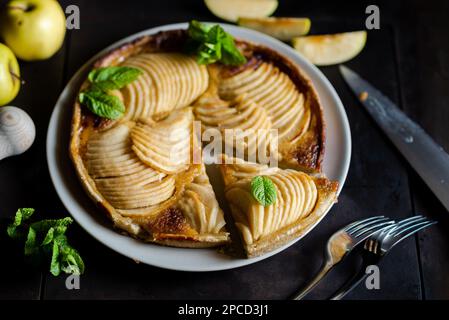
(231, 10)
(325, 50)
(281, 28)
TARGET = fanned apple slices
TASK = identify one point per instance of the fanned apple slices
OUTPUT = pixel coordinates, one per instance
(273, 90)
(143, 172)
(258, 96)
(301, 201)
(169, 81)
(165, 145)
(242, 123)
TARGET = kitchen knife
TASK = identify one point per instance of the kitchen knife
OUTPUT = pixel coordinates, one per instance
(429, 159)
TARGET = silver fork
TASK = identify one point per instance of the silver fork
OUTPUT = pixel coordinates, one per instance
(341, 243)
(379, 245)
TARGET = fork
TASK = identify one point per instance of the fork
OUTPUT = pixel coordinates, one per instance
(341, 243)
(379, 245)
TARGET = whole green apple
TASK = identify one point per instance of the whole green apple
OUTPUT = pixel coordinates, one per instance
(33, 29)
(9, 75)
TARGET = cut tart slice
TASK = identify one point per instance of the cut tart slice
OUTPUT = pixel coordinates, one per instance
(301, 200)
(142, 175)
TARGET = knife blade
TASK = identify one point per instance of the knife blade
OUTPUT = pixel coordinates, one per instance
(426, 157)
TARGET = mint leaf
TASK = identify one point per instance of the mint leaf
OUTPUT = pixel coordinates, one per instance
(69, 259)
(13, 229)
(263, 190)
(47, 238)
(98, 100)
(102, 104)
(198, 31)
(231, 55)
(59, 225)
(55, 267)
(212, 44)
(112, 78)
(31, 245)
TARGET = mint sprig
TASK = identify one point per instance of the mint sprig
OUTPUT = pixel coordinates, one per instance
(102, 104)
(46, 238)
(102, 81)
(263, 190)
(112, 78)
(212, 44)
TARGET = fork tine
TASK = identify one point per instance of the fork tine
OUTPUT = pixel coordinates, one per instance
(366, 225)
(414, 229)
(356, 223)
(353, 227)
(407, 222)
(410, 220)
(409, 227)
(404, 223)
(370, 230)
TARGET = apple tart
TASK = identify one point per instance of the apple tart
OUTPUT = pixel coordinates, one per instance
(138, 167)
(301, 200)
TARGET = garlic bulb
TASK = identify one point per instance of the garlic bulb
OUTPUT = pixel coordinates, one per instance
(17, 131)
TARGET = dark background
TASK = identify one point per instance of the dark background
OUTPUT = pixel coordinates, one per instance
(408, 59)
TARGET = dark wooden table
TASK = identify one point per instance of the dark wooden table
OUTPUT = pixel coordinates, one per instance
(408, 59)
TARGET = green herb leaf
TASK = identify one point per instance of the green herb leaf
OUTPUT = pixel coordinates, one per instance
(102, 104)
(263, 190)
(231, 55)
(47, 238)
(212, 44)
(112, 78)
(69, 259)
(31, 245)
(55, 267)
(59, 225)
(21, 216)
(198, 31)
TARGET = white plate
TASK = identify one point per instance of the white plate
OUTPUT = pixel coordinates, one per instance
(336, 164)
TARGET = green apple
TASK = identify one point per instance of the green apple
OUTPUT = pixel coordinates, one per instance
(9, 75)
(33, 29)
